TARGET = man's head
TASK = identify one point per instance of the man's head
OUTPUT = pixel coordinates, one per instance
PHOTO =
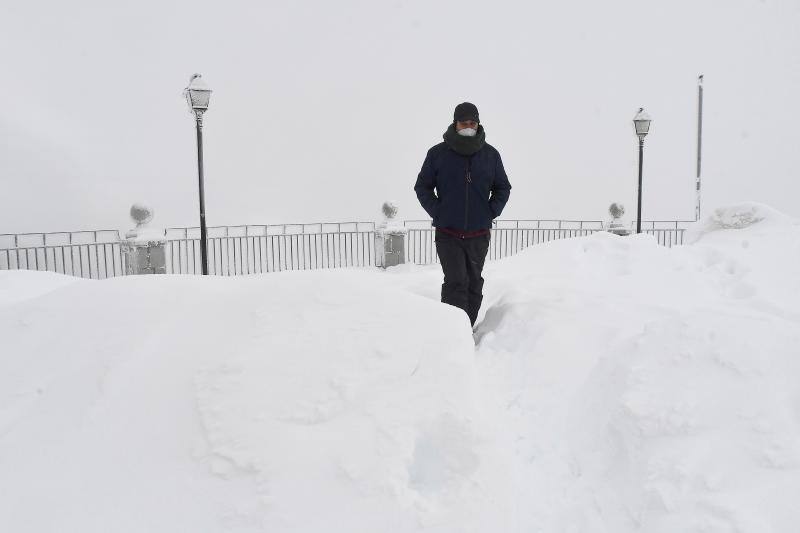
(466, 116)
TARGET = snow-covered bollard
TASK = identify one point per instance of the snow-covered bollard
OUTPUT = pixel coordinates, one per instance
(144, 247)
(390, 239)
(616, 211)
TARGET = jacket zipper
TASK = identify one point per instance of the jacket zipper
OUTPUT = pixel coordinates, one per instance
(467, 181)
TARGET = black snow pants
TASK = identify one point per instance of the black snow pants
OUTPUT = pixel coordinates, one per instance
(462, 264)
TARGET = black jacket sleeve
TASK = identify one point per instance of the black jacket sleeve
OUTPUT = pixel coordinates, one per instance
(426, 183)
(501, 188)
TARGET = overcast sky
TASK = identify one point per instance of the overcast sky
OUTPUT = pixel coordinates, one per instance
(323, 110)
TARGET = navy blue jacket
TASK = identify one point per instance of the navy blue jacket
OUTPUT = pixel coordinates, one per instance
(471, 191)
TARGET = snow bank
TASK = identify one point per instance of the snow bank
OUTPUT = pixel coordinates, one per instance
(270, 403)
(20, 285)
(740, 216)
(647, 389)
(612, 385)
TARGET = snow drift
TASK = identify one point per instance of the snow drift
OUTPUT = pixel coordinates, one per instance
(611, 385)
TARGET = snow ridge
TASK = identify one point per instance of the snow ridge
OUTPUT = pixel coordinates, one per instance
(611, 385)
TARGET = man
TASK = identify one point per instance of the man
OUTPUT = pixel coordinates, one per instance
(463, 187)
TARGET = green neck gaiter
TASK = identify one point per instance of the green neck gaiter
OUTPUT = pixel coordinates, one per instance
(464, 145)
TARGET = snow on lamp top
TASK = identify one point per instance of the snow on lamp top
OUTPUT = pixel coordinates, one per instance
(642, 123)
(197, 94)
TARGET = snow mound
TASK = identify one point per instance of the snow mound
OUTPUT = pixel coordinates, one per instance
(270, 403)
(738, 217)
(19, 285)
(649, 389)
(611, 386)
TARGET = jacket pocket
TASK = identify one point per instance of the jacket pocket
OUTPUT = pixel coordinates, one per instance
(482, 212)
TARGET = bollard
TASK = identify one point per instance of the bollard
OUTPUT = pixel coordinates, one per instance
(144, 247)
(616, 227)
(390, 239)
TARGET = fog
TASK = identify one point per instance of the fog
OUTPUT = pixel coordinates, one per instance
(323, 110)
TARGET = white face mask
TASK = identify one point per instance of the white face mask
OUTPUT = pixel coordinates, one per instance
(468, 132)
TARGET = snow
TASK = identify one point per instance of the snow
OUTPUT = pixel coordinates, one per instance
(611, 385)
(145, 235)
(20, 285)
(196, 83)
(642, 115)
(742, 216)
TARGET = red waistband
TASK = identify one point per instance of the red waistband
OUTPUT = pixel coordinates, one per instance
(464, 234)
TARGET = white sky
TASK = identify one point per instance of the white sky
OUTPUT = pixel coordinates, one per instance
(323, 110)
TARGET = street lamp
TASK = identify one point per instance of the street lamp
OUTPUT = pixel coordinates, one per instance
(197, 96)
(642, 124)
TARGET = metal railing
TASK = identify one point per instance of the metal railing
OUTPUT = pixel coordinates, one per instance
(509, 237)
(664, 224)
(256, 249)
(230, 256)
(86, 254)
(55, 238)
(667, 237)
(668, 233)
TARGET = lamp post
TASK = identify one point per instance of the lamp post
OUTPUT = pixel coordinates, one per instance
(642, 124)
(197, 96)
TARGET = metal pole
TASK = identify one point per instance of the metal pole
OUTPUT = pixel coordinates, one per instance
(699, 141)
(639, 208)
(203, 233)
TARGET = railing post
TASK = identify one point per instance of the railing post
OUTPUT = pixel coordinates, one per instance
(616, 227)
(144, 247)
(390, 239)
